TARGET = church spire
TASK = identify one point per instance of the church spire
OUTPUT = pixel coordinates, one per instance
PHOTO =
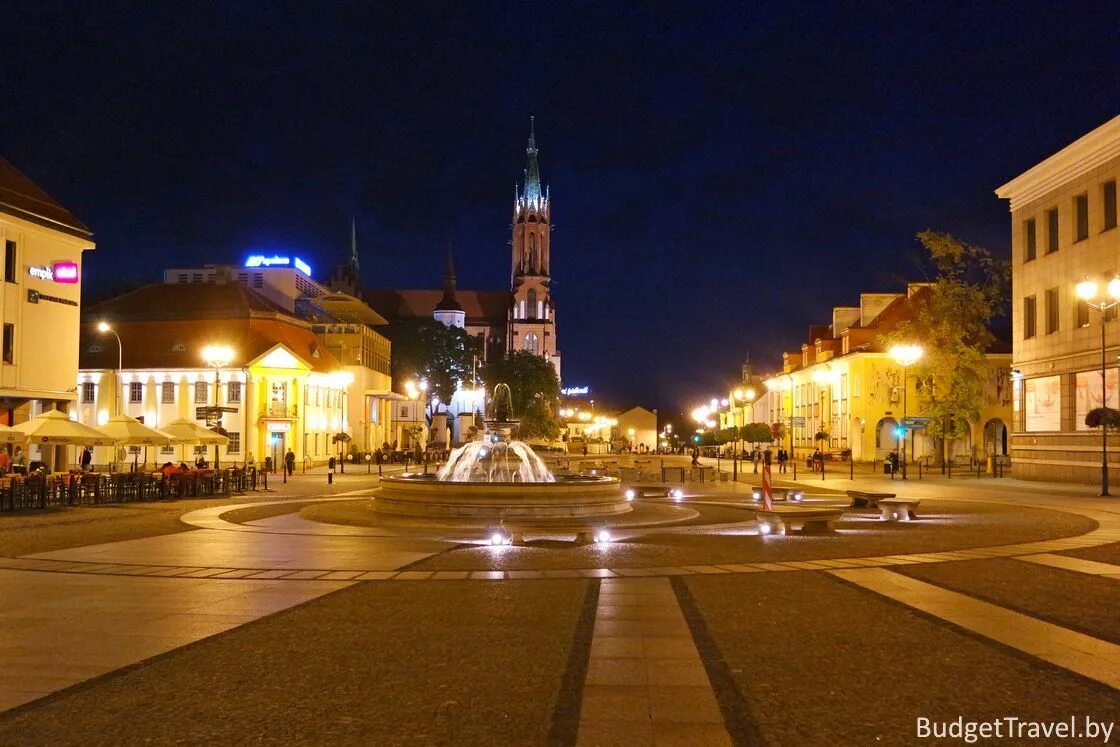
(449, 302)
(532, 169)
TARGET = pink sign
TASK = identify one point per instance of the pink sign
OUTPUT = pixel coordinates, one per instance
(66, 272)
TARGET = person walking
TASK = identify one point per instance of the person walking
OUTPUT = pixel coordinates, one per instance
(783, 457)
(696, 456)
(756, 455)
(87, 458)
(290, 462)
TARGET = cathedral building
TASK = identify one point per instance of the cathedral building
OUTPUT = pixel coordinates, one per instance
(523, 317)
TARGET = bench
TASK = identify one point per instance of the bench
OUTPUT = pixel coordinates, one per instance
(778, 494)
(900, 509)
(786, 519)
(868, 499)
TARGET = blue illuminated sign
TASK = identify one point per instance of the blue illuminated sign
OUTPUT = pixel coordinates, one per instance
(261, 260)
(575, 391)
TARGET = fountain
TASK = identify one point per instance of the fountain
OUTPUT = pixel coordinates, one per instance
(500, 478)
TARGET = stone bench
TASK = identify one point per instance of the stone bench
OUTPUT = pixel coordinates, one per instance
(786, 519)
(778, 494)
(866, 498)
(663, 490)
(900, 509)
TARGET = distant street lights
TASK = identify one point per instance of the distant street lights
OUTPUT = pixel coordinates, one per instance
(104, 327)
(905, 356)
(745, 396)
(217, 357)
(1087, 292)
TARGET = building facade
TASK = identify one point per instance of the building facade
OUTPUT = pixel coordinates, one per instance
(40, 299)
(283, 388)
(1064, 231)
(843, 385)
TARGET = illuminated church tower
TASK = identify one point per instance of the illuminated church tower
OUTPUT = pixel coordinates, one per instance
(532, 317)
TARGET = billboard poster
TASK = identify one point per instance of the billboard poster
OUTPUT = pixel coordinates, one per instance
(1088, 393)
(1043, 403)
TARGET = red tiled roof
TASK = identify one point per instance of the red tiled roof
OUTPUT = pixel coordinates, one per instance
(21, 197)
(183, 301)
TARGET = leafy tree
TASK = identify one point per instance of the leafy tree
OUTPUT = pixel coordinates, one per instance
(952, 326)
(427, 349)
(756, 433)
(820, 436)
(534, 388)
(778, 430)
(1103, 416)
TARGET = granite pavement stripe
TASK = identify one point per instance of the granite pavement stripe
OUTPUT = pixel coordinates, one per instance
(1090, 657)
(738, 722)
(565, 723)
(1070, 563)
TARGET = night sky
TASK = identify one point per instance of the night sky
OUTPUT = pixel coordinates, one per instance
(721, 175)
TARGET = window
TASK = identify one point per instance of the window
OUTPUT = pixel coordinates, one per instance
(1028, 317)
(167, 393)
(1051, 311)
(1030, 245)
(201, 392)
(87, 392)
(10, 261)
(532, 303)
(531, 343)
(1052, 231)
(9, 343)
(135, 391)
(1108, 204)
(1080, 218)
(234, 442)
(1082, 314)
(233, 391)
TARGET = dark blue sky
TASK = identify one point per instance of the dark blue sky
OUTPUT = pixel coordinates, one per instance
(722, 174)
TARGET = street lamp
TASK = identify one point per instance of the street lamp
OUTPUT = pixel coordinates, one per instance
(905, 356)
(104, 327)
(746, 396)
(1087, 292)
(630, 432)
(217, 357)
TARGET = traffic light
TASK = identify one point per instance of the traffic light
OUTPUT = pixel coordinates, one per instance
(696, 439)
(900, 432)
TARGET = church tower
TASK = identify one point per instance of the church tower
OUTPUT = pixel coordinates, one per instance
(532, 316)
(449, 311)
(347, 276)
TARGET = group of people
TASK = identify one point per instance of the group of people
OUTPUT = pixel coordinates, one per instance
(14, 462)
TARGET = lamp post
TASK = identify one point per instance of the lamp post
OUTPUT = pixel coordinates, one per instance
(1087, 292)
(104, 327)
(905, 356)
(745, 396)
(217, 357)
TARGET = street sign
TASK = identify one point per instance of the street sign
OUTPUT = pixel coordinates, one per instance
(210, 411)
(224, 408)
(915, 423)
(797, 422)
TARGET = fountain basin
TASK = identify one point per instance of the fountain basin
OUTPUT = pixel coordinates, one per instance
(570, 497)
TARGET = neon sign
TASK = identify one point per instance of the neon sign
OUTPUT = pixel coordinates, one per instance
(262, 260)
(59, 272)
(575, 391)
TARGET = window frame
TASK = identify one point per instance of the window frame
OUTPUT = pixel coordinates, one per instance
(233, 392)
(1051, 303)
(164, 388)
(1030, 240)
(89, 393)
(1053, 231)
(11, 261)
(1080, 217)
(8, 344)
(1108, 205)
(136, 392)
(204, 388)
(1030, 317)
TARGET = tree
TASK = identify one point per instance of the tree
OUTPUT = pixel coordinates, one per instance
(951, 324)
(427, 349)
(534, 388)
(756, 433)
(1103, 416)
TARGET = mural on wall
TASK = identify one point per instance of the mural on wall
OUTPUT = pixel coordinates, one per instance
(1043, 403)
(1089, 396)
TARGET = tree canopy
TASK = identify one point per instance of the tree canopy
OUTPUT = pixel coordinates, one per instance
(534, 388)
(427, 349)
(952, 324)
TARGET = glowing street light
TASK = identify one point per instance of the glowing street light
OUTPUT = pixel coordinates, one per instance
(1087, 292)
(217, 357)
(905, 356)
(104, 327)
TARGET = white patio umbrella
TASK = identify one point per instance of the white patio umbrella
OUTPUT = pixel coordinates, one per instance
(11, 436)
(183, 432)
(54, 428)
(128, 431)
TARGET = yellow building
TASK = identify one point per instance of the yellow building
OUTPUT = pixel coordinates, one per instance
(40, 299)
(282, 389)
(843, 384)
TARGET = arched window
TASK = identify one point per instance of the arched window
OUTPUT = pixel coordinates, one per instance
(531, 343)
(532, 252)
(532, 303)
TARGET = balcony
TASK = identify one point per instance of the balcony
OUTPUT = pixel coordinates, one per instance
(279, 411)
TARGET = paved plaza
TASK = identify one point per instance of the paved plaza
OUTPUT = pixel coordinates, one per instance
(299, 616)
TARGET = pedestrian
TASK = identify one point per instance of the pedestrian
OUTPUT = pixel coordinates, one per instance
(894, 461)
(696, 456)
(87, 458)
(585, 448)
(290, 462)
(818, 461)
(783, 457)
(19, 461)
(755, 456)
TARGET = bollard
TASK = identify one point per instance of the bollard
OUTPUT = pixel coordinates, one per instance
(822, 469)
(950, 466)
(919, 469)
(851, 468)
(330, 477)
(264, 476)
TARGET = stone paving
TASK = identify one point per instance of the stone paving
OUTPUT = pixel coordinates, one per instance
(647, 663)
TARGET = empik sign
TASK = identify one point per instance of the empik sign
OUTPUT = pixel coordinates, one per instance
(59, 272)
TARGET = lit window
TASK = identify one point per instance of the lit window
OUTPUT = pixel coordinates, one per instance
(233, 391)
(531, 343)
(167, 393)
(135, 391)
(87, 392)
(201, 392)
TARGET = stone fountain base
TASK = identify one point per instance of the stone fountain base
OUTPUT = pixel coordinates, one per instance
(567, 498)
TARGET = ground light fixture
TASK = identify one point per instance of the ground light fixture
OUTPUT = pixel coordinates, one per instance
(499, 537)
(630, 494)
(602, 537)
